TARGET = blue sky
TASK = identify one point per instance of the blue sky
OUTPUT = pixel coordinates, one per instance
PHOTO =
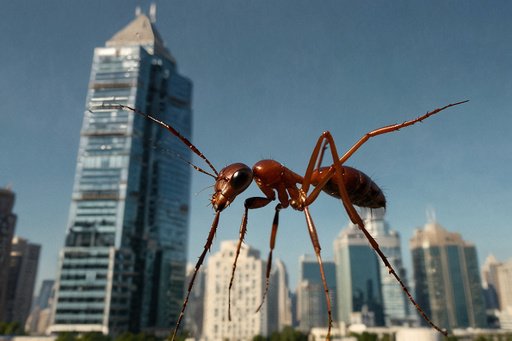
(269, 77)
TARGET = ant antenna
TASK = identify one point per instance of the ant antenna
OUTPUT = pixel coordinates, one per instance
(178, 135)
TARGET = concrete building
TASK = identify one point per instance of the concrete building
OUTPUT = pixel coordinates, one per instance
(246, 295)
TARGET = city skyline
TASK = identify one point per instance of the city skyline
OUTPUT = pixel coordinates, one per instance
(286, 73)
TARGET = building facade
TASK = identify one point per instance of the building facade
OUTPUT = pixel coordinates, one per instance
(21, 279)
(447, 278)
(504, 286)
(359, 286)
(396, 303)
(123, 264)
(279, 299)
(246, 295)
(311, 303)
(7, 226)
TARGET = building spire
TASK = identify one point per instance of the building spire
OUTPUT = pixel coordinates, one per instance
(152, 13)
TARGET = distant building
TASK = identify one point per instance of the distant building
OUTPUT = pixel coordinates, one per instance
(123, 264)
(396, 303)
(447, 278)
(193, 319)
(490, 284)
(504, 285)
(23, 264)
(279, 299)
(39, 318)
(358, 274)
(311, 302)
(246, 295)
(7, 226)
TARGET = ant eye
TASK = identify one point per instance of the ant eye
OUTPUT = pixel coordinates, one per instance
(241, 179)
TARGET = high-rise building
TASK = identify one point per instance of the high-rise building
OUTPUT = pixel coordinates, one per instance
(39, 318)
(504, 285)
(359, 288)
(193, 319)
(7, 225)
(279, 300)
(447, 278)
(21, 278)
(311, 302)
(490, 286)
(246, 295)
(396, 303)
(123, 264)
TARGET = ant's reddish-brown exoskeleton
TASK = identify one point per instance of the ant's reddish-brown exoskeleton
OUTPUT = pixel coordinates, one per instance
(276, 181)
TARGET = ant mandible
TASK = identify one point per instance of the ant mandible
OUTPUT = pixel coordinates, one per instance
(350, 185)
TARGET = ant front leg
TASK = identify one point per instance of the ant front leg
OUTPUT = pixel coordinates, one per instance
(207, 246)
(250, 203)
(273, 235)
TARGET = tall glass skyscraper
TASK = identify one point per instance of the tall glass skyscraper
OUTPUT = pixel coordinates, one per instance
(396, 303)
(123, 263)
(358, 280)
(447, 278)
(311, 303)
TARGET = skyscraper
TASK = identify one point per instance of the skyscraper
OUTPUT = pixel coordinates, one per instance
(123, 263)
(504, 277)
(23, 264)
(246, 295)
(311, 303)
(359, 289)
(396, 303)
(447, 278)
(7, 225)
(279, 300)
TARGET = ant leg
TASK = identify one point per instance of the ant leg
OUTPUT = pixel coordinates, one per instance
(316, 245)
(356, 219)
(207, 246)
(250, 203)
(391, 128)
(273, 235)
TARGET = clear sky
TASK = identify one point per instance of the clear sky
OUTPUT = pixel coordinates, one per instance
(269, 77)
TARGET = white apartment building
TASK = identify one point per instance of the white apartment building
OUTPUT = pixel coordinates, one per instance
(246, 295)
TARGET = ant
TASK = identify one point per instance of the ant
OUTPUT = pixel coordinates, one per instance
(277, 182)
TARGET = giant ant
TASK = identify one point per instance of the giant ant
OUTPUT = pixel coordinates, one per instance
(350, 185)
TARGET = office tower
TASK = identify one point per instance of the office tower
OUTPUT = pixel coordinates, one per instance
(246, 295)
(279, 300)
(311, 302)
(39, 318)
(7, 225)
(45, 293)
(123, 264)
(21, 278)
(447, 278)
(504, 277)
(359, 289)
(490, 286)
(396, 303)
(193, 319)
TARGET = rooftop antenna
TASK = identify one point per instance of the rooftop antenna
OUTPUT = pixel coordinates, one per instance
(431, 214)
(152, 13)
(138, 11)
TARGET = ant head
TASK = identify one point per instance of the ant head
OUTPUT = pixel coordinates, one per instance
(231, 181)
